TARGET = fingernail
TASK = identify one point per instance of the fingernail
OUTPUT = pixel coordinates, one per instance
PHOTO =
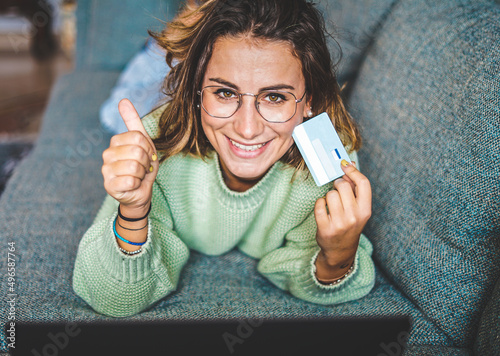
(344, 163)
(151, 168)
(154, 157)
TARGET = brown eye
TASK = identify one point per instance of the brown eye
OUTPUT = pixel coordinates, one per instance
(225, 94)
(274, 98)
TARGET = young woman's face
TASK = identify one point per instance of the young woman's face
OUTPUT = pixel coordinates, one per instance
(247, 144)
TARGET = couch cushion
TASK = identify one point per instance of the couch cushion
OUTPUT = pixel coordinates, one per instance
(428, 99)
(353, 25)
(488, 336)
(111, 32)
(54, 196)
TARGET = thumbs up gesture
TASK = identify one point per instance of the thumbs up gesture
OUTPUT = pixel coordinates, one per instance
(130, 164)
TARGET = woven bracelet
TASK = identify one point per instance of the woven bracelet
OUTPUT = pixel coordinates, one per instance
(125, 240)
(126, 228)
(133, 220)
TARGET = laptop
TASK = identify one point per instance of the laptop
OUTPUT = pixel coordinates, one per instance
(381, 336)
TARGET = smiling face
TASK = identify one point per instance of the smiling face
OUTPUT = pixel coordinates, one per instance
(247, 144)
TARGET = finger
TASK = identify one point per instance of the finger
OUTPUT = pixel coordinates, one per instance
(132, 138)
(363, 189)
(126, 168)
(349, 180)
(346, 195)
(130, 116)
(355, 166)
(124, 184)
(132, 119)
(126, 153)
(321, 214)
(334, 204)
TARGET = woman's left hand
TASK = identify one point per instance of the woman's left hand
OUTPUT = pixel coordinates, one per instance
(341, 216)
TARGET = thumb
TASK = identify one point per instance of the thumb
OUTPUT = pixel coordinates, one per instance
(130, 117)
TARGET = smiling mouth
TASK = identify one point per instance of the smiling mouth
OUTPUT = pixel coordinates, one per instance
(248, 148)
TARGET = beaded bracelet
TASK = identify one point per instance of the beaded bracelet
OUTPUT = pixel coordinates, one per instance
(130, 253)
(337, 280)
(125, 240)
(133, 220)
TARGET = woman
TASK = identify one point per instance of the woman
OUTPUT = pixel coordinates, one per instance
(248, 72)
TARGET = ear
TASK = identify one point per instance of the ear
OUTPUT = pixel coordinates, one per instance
(307, 109)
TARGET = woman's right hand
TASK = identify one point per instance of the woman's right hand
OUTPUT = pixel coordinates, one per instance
(130, 164)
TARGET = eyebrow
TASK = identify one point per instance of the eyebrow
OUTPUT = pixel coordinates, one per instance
(271, 87)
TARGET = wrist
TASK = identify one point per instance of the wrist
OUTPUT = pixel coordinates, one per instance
(336, 280)
(336, 260)
(330, 268)
(135, 213)
(129, 239)
(130, 227)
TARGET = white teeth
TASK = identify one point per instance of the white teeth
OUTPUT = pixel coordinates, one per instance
(247, 148)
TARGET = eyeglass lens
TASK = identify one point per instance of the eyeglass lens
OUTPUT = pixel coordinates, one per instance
(274, 106)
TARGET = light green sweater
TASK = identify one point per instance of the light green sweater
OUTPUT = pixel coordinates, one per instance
(193, 209)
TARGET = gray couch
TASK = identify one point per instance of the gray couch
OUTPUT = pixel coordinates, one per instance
(423, 82)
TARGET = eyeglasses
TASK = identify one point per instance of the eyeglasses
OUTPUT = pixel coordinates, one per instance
(273, 105)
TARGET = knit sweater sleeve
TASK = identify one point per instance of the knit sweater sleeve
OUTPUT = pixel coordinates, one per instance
(120, 285)
(292, 268)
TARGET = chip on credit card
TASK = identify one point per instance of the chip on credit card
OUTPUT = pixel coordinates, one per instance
(320, 145)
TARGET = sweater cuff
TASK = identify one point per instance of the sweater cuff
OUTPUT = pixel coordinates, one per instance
(122, 267)
(328, 286)
(357, 284)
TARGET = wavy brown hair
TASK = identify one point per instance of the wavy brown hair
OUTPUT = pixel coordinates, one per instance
(190, 38)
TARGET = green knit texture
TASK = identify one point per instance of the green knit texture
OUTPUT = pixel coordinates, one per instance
(192, 208)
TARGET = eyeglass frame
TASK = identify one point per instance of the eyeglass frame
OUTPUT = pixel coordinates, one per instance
(240, 101)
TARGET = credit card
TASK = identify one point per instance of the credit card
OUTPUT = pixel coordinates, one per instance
(320, 145)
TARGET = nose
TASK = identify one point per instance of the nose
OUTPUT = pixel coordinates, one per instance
(248, 123)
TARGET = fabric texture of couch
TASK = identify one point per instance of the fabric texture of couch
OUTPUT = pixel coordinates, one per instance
(423, 81)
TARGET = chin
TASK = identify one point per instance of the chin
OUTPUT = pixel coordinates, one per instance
(248, 172)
